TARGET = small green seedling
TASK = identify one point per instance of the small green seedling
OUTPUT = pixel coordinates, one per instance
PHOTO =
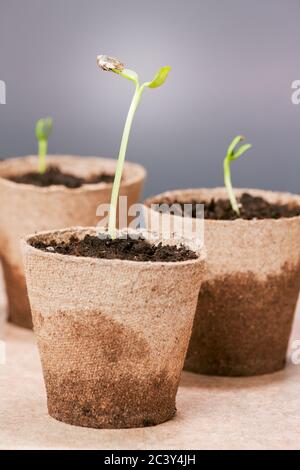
(43, 129)
(233, 154)
(110, 64)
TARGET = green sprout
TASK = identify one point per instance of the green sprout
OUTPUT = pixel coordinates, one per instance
(110, 64)
(43, 129)
(233, 154)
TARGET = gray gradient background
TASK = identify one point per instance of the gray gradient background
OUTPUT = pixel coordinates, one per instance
(232, 61)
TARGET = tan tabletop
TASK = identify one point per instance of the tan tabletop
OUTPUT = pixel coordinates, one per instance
(213, 413)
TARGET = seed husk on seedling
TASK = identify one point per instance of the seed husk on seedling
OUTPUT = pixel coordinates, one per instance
(109, 64)
(233, 153)
(43, 130)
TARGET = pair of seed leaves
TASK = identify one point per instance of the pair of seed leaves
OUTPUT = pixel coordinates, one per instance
(43, 128)
(157, 81)
(232, 153)
(110, 64)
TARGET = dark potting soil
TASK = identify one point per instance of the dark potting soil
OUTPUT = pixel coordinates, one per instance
(54, 176)
(251, 207)
(125, 249)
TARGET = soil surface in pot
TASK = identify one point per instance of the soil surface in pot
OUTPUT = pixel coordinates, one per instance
(251, 207)
(125, 249)
(54, 176)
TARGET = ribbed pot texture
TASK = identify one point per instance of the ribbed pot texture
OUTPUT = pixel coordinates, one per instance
(112, 334)
(247, 302)
(25, 209)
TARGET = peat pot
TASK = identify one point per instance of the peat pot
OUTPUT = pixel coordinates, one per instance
(247, 302)
(112, 334)
(25, 208)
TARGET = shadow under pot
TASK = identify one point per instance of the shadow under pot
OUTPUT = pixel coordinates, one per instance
(247, 301)
(68, 195)
(112, 332)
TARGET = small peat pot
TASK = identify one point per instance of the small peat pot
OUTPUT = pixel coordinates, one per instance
(67, 194)
(112, 319)
(247, 302)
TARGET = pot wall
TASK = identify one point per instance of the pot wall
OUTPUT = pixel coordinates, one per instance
(25, 209)
(112, 334)
(247, 302)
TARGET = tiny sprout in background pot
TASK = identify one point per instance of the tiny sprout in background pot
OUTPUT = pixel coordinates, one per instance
(233, 153)
(110, 64)
(43, 130)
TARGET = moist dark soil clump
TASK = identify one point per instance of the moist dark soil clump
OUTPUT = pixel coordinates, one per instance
(125, 249)
(54, 176)
(252, 207)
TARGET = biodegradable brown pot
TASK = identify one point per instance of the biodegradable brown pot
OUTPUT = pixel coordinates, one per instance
(247, 303)
(26, 208)
(112, 334)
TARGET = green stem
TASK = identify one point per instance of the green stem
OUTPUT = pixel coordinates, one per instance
(43, 148)
(228, 185)
(121, 159)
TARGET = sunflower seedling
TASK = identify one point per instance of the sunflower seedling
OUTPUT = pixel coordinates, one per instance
(233, 153)
(43, 130)
(109, 64)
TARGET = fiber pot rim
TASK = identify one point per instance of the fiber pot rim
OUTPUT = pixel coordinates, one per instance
(267, 194)
(188, 243)
(139, 173)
